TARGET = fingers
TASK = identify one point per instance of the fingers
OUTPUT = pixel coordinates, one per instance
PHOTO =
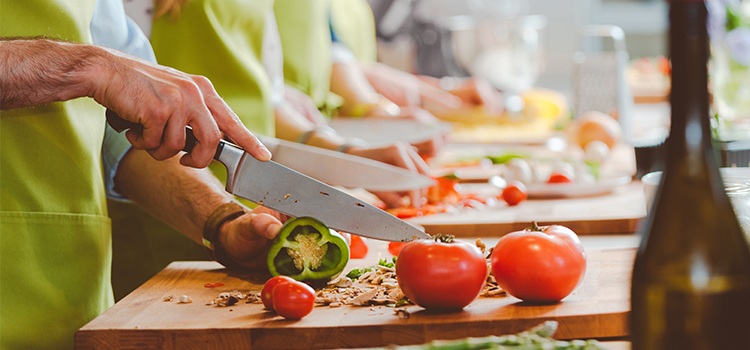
(391, 199)
(419, 164)
(164, 101)
(418, 197)
(247, 238)
(488, 96)
(265, 225)
(439, 100)
(429, 148)
(230, 123)
(480, 92)
(404, 156)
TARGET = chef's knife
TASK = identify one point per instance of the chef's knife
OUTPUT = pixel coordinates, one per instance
(340, 169)
(285, 190)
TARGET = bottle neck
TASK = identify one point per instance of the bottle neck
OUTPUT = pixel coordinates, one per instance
(690, 133)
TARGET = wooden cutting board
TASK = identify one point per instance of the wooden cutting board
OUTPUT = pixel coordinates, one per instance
(597, 309)
(614, 213)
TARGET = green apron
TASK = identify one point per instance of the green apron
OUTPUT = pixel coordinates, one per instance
(54, 229)
(306, 41)
(354, 25)
(222, 40)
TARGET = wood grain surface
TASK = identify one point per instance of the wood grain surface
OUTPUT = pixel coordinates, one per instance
(599, 308)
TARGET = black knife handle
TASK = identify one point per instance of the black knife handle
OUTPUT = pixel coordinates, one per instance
(119, 125)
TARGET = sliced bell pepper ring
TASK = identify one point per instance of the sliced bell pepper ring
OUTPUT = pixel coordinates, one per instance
(307, 250)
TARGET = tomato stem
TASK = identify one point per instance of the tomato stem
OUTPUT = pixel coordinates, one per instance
(444, 238)
(535, 227)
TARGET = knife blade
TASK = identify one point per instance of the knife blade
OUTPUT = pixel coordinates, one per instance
(292, 193)
(285, 190)
(340, 169)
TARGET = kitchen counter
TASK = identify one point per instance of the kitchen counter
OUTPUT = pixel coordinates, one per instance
(597, 309)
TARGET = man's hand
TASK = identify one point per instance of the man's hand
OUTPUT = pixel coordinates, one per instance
(247, 238)
(402, 155)
(161, 99)
(164, 100)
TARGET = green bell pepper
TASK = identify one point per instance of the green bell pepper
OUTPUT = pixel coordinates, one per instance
(307, 250)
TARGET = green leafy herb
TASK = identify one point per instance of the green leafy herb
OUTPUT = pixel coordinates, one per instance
(537, 338)
(386, 263)
(357, 272)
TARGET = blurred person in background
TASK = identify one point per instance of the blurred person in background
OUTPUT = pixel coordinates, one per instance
(355, 44)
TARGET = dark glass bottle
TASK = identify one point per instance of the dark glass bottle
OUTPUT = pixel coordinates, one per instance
(691, 278)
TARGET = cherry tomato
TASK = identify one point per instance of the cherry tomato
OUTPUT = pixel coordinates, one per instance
(540, 264)
(515, 192)
(293, 300)
(266, 295)
(441, 275)
(395, 247)
(357, 247)
(558, 178)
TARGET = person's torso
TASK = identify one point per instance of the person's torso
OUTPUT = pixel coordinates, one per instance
(306, 41)
(222, 40)
(54, 230)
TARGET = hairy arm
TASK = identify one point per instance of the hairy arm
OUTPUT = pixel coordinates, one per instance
(39, 71)
(161, 99)
(185, 197)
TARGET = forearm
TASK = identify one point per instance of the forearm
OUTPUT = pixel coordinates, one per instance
(182, 197)
(348, 81)
(40, 71)
(291, 126)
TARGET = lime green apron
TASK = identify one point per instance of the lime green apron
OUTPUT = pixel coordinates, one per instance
(306, 41)
(354, 25)
(54, 229)
(222, 40)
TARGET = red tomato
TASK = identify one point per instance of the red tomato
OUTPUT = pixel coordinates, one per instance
(541, 264)
(558, 178)
(266, 295)
(293, 300)
(357, 247)
(395, 247)
(441, 275)
(515, 192)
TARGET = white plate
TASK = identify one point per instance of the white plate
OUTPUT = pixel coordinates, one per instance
(602, 186)
(380, 131)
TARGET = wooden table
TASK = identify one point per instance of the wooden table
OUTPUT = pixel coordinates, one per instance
(597, 309)
(616, 212)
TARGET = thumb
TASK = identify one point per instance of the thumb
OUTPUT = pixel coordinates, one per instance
(266, 225)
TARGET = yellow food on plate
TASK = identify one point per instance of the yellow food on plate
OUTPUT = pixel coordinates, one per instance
(543, 111)
(539, 103)
(545, 103)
